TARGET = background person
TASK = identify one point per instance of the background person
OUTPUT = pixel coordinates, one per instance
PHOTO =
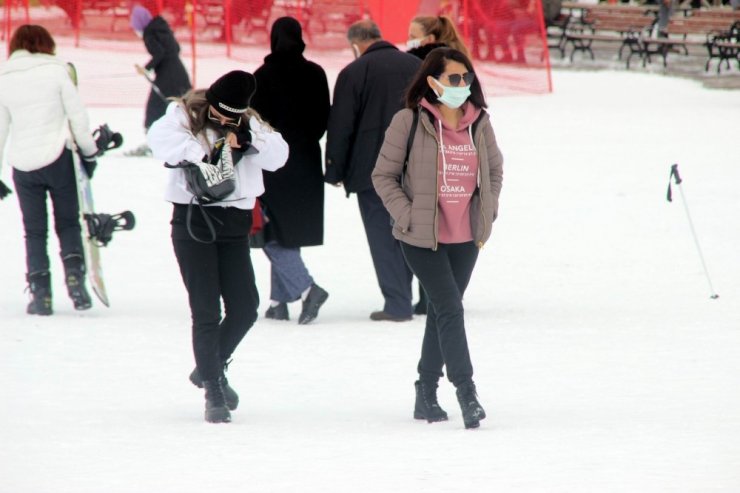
(170, 77)
(443, 207)
(220, 271)
(39, 107)
(427, 32)
(293, 95)
(367, 93)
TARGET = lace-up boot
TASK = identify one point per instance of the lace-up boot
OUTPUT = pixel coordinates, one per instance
(39, 283)
(232, 398)
(216, 409)
(472, 411)
(74, 277)
(426, 406)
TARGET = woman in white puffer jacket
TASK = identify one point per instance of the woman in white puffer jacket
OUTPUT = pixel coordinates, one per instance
(39, 106)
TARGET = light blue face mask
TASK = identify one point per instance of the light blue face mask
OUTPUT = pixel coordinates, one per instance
(453, 97)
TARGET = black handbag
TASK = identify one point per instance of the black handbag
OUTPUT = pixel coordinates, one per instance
(209, 182)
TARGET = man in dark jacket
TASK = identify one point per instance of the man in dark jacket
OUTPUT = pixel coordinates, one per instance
(368, 92)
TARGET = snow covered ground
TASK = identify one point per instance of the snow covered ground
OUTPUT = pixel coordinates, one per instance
(602, 362)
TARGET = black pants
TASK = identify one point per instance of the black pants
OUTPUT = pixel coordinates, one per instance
(58, 179)
(444, 275)
(213, 272)
(394, 276)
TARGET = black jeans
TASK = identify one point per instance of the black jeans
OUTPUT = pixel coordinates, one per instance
(214, 272)
(58, 179)
(444, 274)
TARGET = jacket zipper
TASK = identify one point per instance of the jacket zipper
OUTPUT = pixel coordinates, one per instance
(482, 210)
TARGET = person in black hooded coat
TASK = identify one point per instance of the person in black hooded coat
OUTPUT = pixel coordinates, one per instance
(170, 76)
(293, 96)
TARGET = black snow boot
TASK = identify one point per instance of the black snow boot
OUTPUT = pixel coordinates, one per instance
(426, 406)
(39, 283)
(232, 398)
(472, 411)
(74, 277)
(216, 409)
(316, 297)
(278, 312)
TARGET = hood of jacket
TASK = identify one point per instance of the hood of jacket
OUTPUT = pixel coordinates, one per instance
(21, 60)
(470, 114)
(286, 37)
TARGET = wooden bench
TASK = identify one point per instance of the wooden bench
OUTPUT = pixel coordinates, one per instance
(610, 23)
(725, 47)
(697, 30)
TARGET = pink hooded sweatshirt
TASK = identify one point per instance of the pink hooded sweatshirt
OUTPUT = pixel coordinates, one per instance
(457, 169)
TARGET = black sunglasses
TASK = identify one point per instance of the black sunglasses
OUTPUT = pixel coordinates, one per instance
(467, 77)
(229, 121)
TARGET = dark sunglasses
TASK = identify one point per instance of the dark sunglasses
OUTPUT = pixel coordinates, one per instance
(467, 77)
(229, 121)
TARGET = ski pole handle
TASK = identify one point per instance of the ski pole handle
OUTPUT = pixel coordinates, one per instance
(675, 175)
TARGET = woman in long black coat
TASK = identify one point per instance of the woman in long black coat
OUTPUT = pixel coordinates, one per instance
(293, 96)
(170, 77)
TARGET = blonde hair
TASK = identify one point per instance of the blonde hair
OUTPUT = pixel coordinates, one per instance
(196, 106)
(443, 30)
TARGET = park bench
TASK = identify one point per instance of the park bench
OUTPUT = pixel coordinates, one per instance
(702, 29)
(624, 24)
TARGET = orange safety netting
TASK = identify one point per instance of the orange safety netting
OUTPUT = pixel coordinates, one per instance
(506, 37)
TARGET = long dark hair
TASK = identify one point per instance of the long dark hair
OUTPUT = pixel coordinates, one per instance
(434, 64)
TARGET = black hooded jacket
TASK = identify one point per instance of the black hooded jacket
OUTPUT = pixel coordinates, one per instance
(293, 96)
(170, 75)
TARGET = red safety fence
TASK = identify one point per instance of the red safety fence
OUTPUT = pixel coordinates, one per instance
(507, 37)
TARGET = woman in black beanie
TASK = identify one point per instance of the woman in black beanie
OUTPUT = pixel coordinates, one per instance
(219, 271)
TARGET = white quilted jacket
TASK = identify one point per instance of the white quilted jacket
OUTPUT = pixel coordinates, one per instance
(38, 106)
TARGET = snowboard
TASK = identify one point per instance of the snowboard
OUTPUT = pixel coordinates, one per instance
(89, 245)
(87, 208)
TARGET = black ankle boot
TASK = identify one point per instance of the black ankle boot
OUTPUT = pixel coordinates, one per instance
(426, 406)
(472, 411)
(74, 277)
(232, 398)
(39, 283)
(216, 410)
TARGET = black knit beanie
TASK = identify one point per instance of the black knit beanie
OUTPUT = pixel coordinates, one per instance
(231, 93)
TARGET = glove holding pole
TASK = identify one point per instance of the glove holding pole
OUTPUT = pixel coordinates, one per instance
(676, 178)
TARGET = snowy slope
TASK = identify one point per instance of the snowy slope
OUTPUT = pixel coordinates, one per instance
(602, 362)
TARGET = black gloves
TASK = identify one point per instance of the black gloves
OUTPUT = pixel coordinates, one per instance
(4, 190)
(89, 163)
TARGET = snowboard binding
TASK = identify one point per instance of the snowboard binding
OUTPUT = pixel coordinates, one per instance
(102, 226)
(106, 139)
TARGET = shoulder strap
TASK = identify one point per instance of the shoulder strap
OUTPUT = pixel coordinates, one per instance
(410, 140)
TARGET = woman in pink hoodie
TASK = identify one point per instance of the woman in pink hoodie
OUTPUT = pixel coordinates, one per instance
(439, 174)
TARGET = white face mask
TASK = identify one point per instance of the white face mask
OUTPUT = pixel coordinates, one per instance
(413, 43)
(139, 33)
(452, 97)
(356, 51)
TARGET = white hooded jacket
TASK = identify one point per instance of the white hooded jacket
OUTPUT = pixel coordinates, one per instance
(39, 105)
(171, 140)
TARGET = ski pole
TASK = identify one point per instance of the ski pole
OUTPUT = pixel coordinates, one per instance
(156, 89)
(677, 179)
